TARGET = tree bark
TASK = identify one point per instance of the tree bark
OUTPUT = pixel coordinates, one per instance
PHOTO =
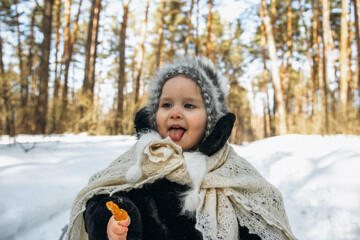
(327, 43)
(66, 55)
(160, 34)
(288, 49)
(328, 38)
(173, 12)
(8, 109)
(315, 56)
(122, 79)
(273, 16)
(197, 41)
(357, 34)
(309, 58)
(42, 105)
(24, 87)
(209, 26)
(2, 69)
(189, 25)
(343, 91)
(70, 46)
(141, 55)
(57, 44)
(281, 111)
(349, 74)
(31, 55)
(56, 89)
(266, 109)
(322, 86)
(91, 50)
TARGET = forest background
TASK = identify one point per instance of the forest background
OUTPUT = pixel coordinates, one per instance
(84, 66)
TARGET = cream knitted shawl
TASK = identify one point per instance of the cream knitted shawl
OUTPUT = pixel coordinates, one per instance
(225, 189)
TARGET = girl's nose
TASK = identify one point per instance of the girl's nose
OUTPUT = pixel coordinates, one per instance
(176, 113)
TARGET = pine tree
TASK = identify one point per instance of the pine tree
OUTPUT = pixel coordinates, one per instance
(42, 104)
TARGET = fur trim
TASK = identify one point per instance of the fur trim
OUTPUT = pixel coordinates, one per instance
(214, 87)
(219, 136)
(195, 163)
(141, 122)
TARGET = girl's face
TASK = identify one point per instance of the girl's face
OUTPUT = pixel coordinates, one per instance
(181, 114)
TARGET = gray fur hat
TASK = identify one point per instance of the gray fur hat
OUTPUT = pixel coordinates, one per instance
(214, 87)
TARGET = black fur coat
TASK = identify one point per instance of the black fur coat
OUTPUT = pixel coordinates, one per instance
(155, 212)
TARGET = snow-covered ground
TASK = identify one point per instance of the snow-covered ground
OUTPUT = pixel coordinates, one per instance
(318, 177)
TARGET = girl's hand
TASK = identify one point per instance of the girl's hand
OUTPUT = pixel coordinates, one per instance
(117, 230)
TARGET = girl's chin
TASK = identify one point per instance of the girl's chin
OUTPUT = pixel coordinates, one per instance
(179, 143)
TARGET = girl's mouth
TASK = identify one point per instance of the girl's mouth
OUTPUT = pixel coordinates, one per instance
(176, 133)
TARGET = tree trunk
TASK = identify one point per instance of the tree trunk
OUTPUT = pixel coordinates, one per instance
(315, 57)
(70, 47)
(2, 69)
(285, 79)
(160, 34)
(122, 79)
(174, 10)
(65, 55)
(357, 31)
(275, 72)
(31, 56)
(24, 83)
(308, 55)
(197, 41)
(322, 86)
(56, 74)
(288, 49)
(327, 42)
(32, 60)
(273, 16)
(8, 108)
(23, 80)
(343, 97)
(189, 25)
(87, 103)
(42, 105)
(57, 44)
(2, 81)
(328, 38)
(208, 26)
(91, 48)
(266, 113)
(349, 74)
(141, 55)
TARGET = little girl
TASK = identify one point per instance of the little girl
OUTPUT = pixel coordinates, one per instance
(182, 179)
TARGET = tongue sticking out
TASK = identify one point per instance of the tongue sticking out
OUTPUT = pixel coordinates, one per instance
(176, 134)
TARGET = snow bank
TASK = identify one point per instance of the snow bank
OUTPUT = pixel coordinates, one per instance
(318, 177)
(40, 176)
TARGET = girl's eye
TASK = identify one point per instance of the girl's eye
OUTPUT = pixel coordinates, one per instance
(188, 105)
(166, 105)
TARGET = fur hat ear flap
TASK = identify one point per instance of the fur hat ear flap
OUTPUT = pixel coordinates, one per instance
(141, 122)
(219, 135)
